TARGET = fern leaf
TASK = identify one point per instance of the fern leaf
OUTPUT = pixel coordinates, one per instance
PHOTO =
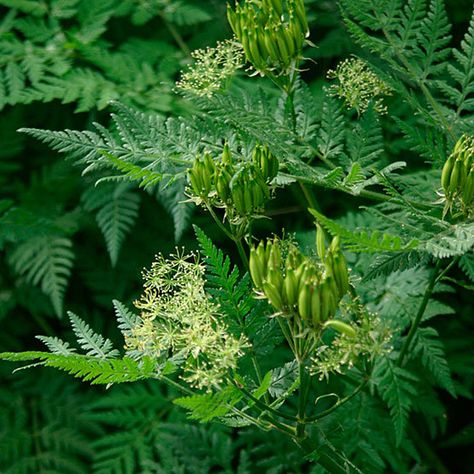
(208, 406)
(396, 387)
(232, 293)
(433, 40)
(463, 73)
(126, 319)
(56, 345)
(467, 265)
(46, 261)
(93, 343)
(90, 369)
(363, 241)
(173, 198)
(117, 210)
(331, 132)
(429, 349)
(365, 140)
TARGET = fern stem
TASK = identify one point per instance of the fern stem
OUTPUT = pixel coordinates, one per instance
(263, 406)
(340, 402)
(305, 382)
(421, 310)
(242, 253)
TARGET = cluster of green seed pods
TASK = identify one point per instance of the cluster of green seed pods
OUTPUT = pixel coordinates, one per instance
(242, 187)
(457, 177)
(299, 286)
(272, 32)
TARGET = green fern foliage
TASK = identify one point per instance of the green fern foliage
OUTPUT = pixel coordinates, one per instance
(88, 368)
(461, 94)
(116, 210)
(430, 350)
(396, 387)
(46, 261)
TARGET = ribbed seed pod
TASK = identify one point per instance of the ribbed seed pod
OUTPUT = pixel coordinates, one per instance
(457, 177)
(275, 277)
(468, 189)
(277, 6)
(341, 327)
(335, 244)
(304, 303)
(273, 295)
(223, 178)
(257, 271)
(227, 155)
(316, 307)
(340, 273)
(446, 173)
(320, 242)
(301, 16)
(290, 288)
(274, 259)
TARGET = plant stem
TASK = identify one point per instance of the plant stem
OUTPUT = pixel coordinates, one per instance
(302, 400)
(421, 310)
(337, 404)
(263, 406)
(242, 253)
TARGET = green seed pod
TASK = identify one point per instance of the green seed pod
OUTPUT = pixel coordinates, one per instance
(277, 6)
(256, 270)
(301, 16)
(468, 189)
(341, 274)
(271, 45)
(290, 44)
(234, 22)
(237, 194)
(457, 177)
(446, 173)
(320, 242)
(341, 327)
(290, 288)
(316, 307)
(223, 178)
(327, 301)
(274, 260)
(227, 155)
(195, 180)
(284, 55)
(304, 303)
(335, 244)
(331, 282)
(275, 277)
(273, 295)
(261, 253)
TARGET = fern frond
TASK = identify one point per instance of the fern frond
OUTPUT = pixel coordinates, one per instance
(56, 345)
(232, 292)
(90, 369)
(364, 241)
(332, 129)
(172, 196)
(125, 318)
(208, 406)
(46, 261)
(93, 343)
(430, 350)
(116, 212)
(461, 95)
(396, 387)
(467, 265)
(433, 39)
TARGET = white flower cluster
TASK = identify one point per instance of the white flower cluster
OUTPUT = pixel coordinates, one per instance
(179, 320)
(358, 86)
(212, 68)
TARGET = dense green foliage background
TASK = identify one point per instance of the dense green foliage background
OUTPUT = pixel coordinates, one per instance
(61, 63)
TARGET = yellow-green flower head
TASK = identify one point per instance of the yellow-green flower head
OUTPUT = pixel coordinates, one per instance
(178, 319)
(358, 86)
